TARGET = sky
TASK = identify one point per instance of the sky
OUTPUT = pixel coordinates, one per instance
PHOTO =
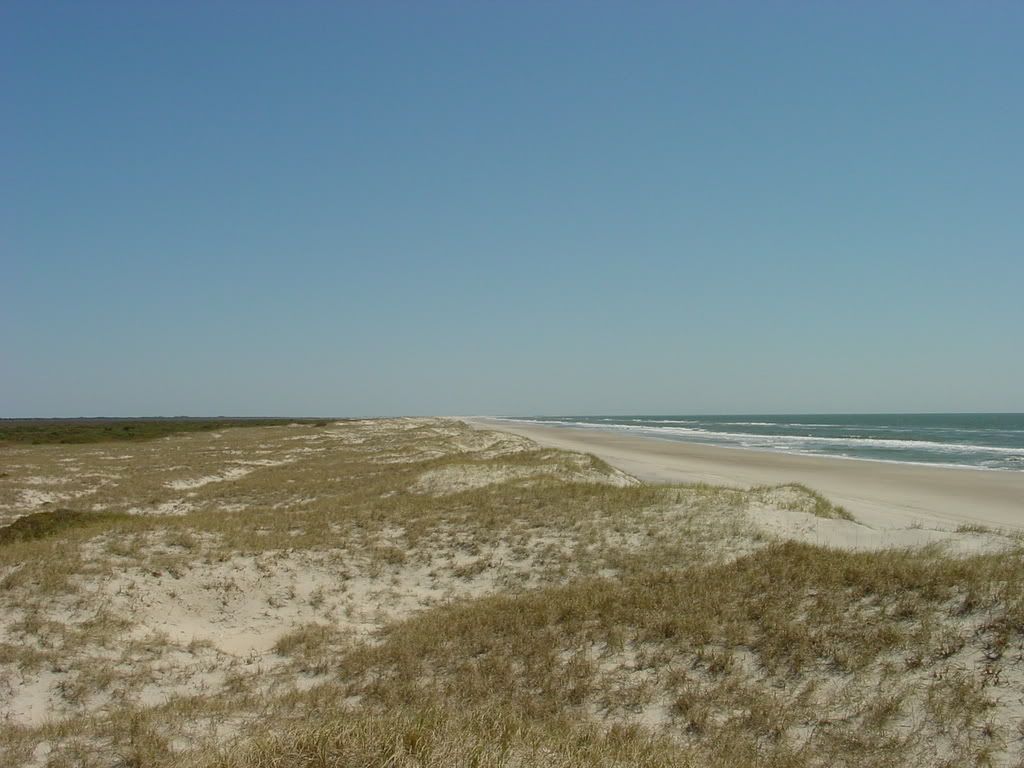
(381, 208)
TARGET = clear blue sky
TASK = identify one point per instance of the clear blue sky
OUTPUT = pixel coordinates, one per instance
(383, 208)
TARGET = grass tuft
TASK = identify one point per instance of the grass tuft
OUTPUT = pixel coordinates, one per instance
(42, 525)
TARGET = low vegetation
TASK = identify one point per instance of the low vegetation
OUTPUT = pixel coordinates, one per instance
(418, 593)
(76, 431)
(40, 525)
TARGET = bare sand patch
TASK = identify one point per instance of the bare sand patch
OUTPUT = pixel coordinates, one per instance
(795, 525)
(189, 484)
(176, 507)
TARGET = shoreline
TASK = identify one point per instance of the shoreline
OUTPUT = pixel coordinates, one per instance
(649, 436)
(883, 495)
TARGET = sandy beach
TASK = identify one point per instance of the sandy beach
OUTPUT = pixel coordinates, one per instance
(885, 497)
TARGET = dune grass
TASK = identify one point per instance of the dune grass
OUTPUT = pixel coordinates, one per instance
(799, 498)
(41, 525)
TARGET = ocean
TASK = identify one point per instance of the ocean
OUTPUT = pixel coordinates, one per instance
(978, 440)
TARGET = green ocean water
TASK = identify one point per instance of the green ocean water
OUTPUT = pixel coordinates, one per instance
(978, 440)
